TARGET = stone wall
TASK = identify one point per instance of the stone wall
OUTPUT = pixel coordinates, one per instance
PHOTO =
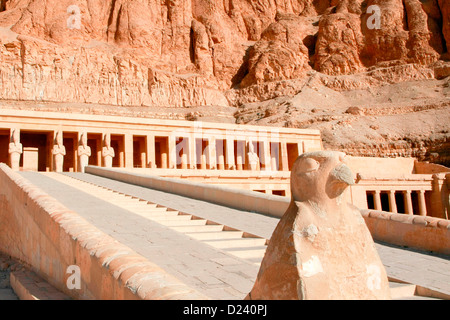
(424, 233)
(40, 232)
(372, 166)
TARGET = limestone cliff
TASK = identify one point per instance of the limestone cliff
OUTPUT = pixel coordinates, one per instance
(230, 53)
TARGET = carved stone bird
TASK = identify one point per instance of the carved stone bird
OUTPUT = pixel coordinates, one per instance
(321, 249)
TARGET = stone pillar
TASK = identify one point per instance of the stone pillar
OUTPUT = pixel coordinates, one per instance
(58, 151)
(220, 154)
(204, 156)
(266, 154)
(240, 155)
(212, 152)
(422, 203)
(182, 152)
(15, 149)
(150, 151)
(129, 152)
(172, 152)
(184, 161)
(108, 152)
(84, 151)
(274, 156)
(192, 153)
(408, 202)
(284, 157)
(392, 203)
(301, 148)
(230, 154)
(377, 200)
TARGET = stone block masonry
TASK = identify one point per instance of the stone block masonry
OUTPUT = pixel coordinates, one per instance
(38, 230)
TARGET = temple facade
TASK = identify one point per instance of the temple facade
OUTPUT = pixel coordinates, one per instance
(247, 157)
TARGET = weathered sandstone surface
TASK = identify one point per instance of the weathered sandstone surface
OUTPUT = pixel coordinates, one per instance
(237, 54)
(321, 249)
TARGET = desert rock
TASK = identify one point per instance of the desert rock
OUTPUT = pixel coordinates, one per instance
(208, 54)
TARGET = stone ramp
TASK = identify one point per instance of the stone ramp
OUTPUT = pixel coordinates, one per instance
(233, 241)
(211, 271)
(226, 258)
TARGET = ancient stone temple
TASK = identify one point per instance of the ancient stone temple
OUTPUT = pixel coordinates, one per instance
(254, 158)
(205, 149)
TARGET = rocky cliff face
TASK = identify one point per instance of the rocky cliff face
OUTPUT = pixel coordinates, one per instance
(230, 53)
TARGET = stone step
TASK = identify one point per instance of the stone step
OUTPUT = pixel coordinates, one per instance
(166, 217)
(215, 235)
(202, 228)
(147, 209)
(137, 204)
(180, 223)
(255, 254)
(237, 243)
(151, 213)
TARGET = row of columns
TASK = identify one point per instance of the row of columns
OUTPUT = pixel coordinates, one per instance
(182, 154)
(58, 151)
(224, 157)
(407, 201)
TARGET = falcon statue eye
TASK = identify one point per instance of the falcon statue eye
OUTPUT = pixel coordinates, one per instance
(308, 165)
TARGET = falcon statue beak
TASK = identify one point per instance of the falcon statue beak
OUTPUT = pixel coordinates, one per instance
(343, 173)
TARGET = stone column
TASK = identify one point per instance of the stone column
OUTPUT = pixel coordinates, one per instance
(377, 200)
(129, 152)
(240, 155)
(182, 152)
(284, 157)
(192, 153)
(230, 154)
(422, 203)
(84, 152)
(58, 151)
(184, 155)
(301, 148)
(220, 155)
(408, 202)
(266, 154)
(212, 152)
(150, 151)
(274, 156)
(15, 149)
(203, 156)
(108, 152)
(392, 203)
(172, 152)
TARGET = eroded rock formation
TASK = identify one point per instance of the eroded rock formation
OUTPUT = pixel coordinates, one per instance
(203, 53)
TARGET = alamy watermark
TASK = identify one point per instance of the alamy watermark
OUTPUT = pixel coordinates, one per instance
(74, 280)
(374, 21)
(74, 20)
